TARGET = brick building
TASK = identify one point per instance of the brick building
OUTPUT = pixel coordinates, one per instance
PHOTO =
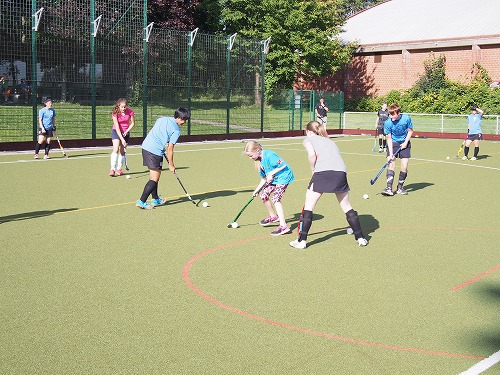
(397, 36)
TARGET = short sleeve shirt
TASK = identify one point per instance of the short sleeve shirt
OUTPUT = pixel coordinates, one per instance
(124, 119)
(398, 129)
(270, 161)
(164, 131)
(47, 115)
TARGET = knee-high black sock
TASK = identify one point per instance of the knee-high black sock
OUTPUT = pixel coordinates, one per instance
(402, 178)
(476, 151)
(148, 189)
(154, 193)
(305, 223)
(466, 151)
(380, 140)
(353, 221)
(47, 148)
(390, 178)
(385, 143)
(37, 148)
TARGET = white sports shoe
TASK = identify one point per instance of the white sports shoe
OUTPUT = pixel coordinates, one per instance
(298, 244)
(362, 241)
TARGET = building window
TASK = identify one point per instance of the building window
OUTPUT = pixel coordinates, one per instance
(377, 58)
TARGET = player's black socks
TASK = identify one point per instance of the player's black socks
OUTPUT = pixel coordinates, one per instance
(154, 193)
(353, 221)
(380, 142)
(390, 178)
(476, 151)
(305, 223)
(402, 178)
(37, 148)
(47, 148)
(148, 189)
(466, 151)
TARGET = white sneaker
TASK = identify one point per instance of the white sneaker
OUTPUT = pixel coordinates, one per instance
(362, 242)
(473, 158)
(298, 244)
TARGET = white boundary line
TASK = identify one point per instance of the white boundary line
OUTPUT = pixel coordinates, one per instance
(484, 365)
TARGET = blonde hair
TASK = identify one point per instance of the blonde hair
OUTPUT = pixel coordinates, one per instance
(253, 146)
(317, 128)
(116, 109)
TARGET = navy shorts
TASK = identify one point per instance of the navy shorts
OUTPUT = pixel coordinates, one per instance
(114, 135)
(380, 131)
(405, 153)
(48, 133)
(475, 137)
(329, 182)
(151, 160)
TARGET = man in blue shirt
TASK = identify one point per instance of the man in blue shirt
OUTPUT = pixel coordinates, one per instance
(398, 129)
(474, 132)
(165, 133)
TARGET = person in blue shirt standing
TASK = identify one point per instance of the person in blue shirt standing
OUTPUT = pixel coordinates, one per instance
(47, 125)
(165, 133)
(398, 130)
(275, 175)
(474, 132)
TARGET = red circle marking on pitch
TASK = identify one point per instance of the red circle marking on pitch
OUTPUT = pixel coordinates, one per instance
(193, 287)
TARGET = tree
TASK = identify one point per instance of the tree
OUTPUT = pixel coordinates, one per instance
(173, 14)
(303, 36)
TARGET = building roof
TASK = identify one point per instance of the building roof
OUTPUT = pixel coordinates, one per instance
(395, 24)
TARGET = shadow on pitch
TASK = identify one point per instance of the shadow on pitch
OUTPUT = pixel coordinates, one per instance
(32, 215)
(488, 295)
(199, 198)
(418, 186)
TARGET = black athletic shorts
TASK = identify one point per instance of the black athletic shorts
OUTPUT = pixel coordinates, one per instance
(114, 135)
(475, 137)
(329, 182)
(380, 131)
(48, 133)
(405, 153)
(151, 161)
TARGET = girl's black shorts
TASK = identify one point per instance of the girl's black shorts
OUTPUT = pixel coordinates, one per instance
(329, 182)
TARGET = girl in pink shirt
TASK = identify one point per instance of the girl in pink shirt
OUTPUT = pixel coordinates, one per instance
(123, 122)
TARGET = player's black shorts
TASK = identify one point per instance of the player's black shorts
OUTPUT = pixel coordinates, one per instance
(114, 135)
(380, 131)
(151, 161)
(329, 182)
(475, 137)
(405, 153)
(48, 133)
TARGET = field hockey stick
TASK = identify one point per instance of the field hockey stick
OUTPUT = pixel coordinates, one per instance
(230, 225)
(60, 145)
(125, 156)
(180, 183)
(460, 149)
(383, 167)
(374, 144)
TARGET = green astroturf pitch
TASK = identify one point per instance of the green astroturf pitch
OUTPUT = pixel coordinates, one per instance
(91, 284)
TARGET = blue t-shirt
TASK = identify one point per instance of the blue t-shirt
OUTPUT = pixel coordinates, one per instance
(474, 121)
(398, 129)
(47, 115)
(165, 130)
(270, 161)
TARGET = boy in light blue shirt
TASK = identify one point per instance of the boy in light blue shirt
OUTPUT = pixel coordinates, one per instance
(474, 131)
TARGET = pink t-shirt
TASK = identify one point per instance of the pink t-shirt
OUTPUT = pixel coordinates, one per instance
(124, 119)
